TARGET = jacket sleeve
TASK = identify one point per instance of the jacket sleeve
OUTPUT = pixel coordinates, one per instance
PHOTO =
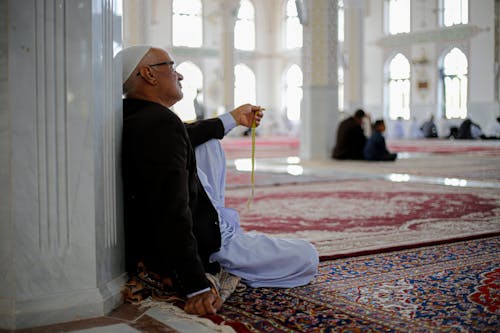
(203, 130)
(165, 195)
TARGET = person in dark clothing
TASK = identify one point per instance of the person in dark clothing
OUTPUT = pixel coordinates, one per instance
(429, 128)
(469, 130)
(350, 138)
(375, 148)
(199, 108)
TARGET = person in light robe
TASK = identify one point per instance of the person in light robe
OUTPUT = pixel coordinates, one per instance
(178, 231)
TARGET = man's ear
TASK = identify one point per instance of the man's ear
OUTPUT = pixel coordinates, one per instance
(147, 74)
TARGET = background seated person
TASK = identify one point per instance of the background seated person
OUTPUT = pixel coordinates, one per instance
(375, 148)
(429, 128)
(351, 138)
(469, 130)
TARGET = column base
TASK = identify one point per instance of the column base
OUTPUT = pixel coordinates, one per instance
(61, 307)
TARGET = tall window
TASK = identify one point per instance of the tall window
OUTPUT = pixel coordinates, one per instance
(187, 25)
(341, 87)
(293, 27)
(193, 80)
(244, 29)
(340, 70)
(454, 76)
(341, 20)
(293, 92)
(454, 12)
(399, 87)
(244, 85)
(398, 16)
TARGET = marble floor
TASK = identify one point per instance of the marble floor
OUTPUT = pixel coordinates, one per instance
(457, 170)
(125, 319)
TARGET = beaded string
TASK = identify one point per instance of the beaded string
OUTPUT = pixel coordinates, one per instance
(252, 177)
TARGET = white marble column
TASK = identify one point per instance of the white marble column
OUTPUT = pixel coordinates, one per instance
(61, 235)
(229, 10)
(319, 114)
(353, 44)
(147, 22)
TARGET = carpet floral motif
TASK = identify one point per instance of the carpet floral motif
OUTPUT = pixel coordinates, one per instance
(488, 293)
(431, 289)
(346, 217)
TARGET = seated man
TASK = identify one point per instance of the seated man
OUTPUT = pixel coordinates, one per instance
(469, 130)
(176, 223)
(375, 148)
(351, 138)
(429, 128)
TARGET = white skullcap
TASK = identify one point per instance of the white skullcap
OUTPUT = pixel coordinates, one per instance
(131, 57)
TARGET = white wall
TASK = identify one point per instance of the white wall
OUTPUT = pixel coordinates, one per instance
(476, 40)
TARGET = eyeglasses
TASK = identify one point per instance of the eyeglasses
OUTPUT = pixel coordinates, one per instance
(161, 64)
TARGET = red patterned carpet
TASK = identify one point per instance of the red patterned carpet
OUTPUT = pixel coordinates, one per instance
(365, 216)
(462, 159)
(447, 288)
(278, 146)
(437, 146)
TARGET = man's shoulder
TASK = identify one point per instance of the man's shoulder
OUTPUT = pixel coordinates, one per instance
(146, 110)
(347, 122)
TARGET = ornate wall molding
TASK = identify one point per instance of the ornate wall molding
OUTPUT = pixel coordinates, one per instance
(455, 33)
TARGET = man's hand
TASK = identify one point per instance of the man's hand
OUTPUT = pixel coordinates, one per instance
(244, 115)
(204, 303)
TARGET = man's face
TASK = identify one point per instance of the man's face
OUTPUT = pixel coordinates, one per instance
(169, 80)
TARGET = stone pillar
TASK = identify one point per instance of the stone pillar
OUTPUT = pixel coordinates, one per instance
(353, 44)
(136, 21)
(319, 62)
(147, 22)
(229, 10)
(61, 235)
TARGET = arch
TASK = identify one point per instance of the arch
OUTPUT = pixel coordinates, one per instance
(244, 28)
(187, 23)
(454, 83)
(398, 87)
(293, 92)
(341, 21)
(244, 85)
(193, 81)
(341, 87)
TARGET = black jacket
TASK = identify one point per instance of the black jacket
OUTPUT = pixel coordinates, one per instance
(170, 223)
(350, 141)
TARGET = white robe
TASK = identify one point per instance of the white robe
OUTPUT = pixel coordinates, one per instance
(260, 260)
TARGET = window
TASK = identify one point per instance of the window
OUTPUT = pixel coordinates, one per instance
(244, 85)
(454, 12)
(293, 93)
(454, 81)
(293, 28)
(341, 88)
(193, 80)
(341, 20)
(399, 87)
(341, 62)
(244, 29)
(187, 25)
(398, 16)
